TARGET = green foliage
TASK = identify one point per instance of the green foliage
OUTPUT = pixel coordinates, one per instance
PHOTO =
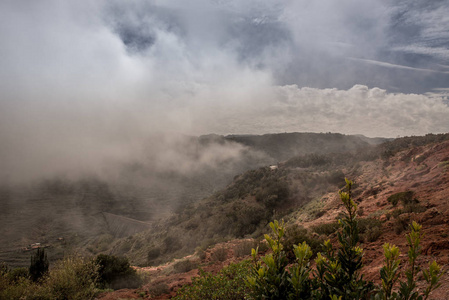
(389, 272)
(244, 248)
(116, 273)
(300, 273)
(23, 288)
(370, 229)
(270, 278)
(274, 194)
(184, 266)
(219, 254)
(326, 228)
(432, 276)
(339, 272)
(249, 182)
(405, 197)
(444, 164)
(153, 254)
(229, 283)
(407, 289)
(159, 289)
(244, 219)
(39, 265)
(72, 278)
(308, 160)
(295, 235)
(17, 274)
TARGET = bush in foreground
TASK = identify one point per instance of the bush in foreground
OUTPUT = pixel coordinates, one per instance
(228, 284)
(337, 275)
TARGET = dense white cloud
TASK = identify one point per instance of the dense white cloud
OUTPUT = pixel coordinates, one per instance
(373, 112)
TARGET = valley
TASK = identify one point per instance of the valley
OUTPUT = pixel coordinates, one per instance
(167, 236)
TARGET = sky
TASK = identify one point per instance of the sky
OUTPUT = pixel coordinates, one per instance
(92, 79)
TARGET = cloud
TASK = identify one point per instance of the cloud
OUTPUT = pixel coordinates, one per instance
(83, 84)
(440, 52)
(373, 112)
(389, 65)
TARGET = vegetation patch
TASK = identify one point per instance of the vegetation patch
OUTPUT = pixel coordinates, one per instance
(116, 273)
(370, 229)
(444, 164)
(404, 197)
(229, 283)
(70, 278)
(219, 254)
(244, 248)
(184, 266)
(337, 275)
(326, 228)
(295, 235)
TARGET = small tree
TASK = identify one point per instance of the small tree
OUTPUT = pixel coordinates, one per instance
(270, 279)
(39, 265)
(339, 273)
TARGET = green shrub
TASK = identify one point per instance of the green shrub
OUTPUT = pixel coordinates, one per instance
(274, 194)
(371, 235)
(116, 273)
(339, 271)
(153, 254)
(370, 229)
(19, 288)
(326, 228)
(219, 254)
(17, 274)
(72, 278)
(444, 164)
(337, 274)
(389, 273)
(414, 208)
(159, 289)
(404, 197)
(184, 266)
(270, 278)
(171, 243)
(295, 235)
(244, 248)
(400, 224)
(229, 283)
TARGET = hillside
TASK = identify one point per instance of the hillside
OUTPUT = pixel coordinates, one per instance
(221, 228)
(283, 146)
(417, 166)
(173, 174)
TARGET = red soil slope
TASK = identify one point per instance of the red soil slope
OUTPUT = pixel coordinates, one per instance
(424, 170)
